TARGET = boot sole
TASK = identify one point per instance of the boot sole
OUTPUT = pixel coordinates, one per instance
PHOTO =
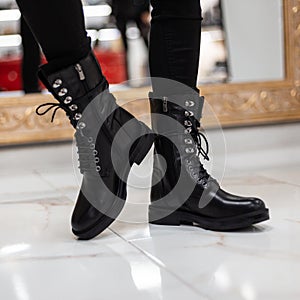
(178, 218)
(138, 154)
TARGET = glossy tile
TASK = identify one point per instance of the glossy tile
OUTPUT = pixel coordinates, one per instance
(28, 158)
(245, 265)
(59, 178)
(24, 186)
(109, 274)
(261, 147)
(261, 262)
(39, 259)
(289, 174)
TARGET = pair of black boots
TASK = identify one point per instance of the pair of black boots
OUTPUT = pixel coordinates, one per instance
(110, 140)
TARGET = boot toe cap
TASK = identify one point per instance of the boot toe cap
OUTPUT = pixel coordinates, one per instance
(257, 204)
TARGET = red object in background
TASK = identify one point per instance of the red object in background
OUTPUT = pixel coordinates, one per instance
(10, 74)
(112, 64)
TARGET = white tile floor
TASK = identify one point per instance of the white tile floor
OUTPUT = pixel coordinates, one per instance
(41, 260)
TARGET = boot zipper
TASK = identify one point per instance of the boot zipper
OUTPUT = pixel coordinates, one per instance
(165, 104)
(80, 72)
(82, 77)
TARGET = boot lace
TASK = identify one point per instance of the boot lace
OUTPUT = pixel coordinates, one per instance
(50, 105)
(195, 167)
(71, 111)
(88, 155)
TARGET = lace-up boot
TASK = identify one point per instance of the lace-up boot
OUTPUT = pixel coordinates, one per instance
(109, 140)
(182, 190)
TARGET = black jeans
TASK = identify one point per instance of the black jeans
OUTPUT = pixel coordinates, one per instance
(58, 25)
(31, 60)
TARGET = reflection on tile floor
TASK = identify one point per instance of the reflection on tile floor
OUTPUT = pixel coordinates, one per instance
(40, 259)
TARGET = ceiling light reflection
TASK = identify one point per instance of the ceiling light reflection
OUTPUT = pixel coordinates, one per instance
(146, 276)
(16, 248)
(222, 278)
(20, 288)
(10, 40)
(9, 15)
(97, 10)
(109, 34)
(248, 291)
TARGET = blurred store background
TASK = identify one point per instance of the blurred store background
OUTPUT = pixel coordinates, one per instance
(247, 71)
(109, 48)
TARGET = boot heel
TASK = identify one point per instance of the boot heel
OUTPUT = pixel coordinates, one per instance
(141, 147)
(172, 219)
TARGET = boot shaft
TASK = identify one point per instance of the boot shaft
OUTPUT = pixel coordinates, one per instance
(176, 120)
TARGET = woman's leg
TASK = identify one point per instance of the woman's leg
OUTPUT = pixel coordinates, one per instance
(31, 60)
(175, 41)
(75, 79)
(198, 198)
(58, 26)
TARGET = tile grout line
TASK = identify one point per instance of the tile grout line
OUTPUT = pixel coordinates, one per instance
(58, 190)
(160, 265)
(281, 181)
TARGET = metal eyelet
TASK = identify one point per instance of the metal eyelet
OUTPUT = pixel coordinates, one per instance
(62, 92)
(188, 141)
(189, 150)
(73, 107)
(90, 139)
(189, 103)
(188, 130)
(92, 146)
(202, 181)
(81, 125)
(57, 83)
(188, 123)
(97, 159)
(98, 168)
(68, 100)
(95, 152)
(188, 113)
(77, 116)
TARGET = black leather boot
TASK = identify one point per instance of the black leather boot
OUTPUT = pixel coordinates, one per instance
(109, 141)
(183, 192)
